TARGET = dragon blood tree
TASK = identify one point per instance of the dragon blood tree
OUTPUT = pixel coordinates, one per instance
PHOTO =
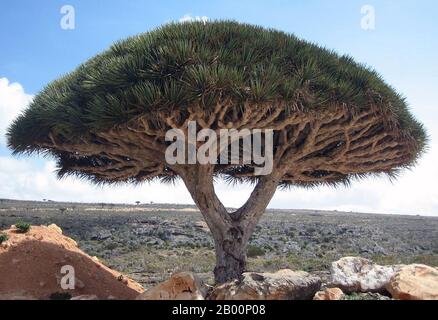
(332, 119)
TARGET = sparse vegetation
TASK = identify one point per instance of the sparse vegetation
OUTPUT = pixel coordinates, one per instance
(428, 259)
(60, 296)
(149, 245)
(3, 237)
(365, 296)
(254, 251)
(111, 246)
(22, 227)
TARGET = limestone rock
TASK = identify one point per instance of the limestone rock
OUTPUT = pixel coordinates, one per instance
(202, 225)
(329, 294)
(355, 274)
(414, 282)
(281, 285)
(180, 286)
(55, 228)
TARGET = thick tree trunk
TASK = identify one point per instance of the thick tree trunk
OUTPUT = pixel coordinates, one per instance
(231, 231)
(230, 255)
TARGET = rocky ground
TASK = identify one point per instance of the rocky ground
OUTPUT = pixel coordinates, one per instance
(149, 242)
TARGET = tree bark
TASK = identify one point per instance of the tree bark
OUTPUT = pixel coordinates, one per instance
(231, 231)
(230, 255)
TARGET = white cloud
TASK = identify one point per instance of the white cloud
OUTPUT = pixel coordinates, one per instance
(13, 100)
(414, 192)
(23, 178)
(189, 18)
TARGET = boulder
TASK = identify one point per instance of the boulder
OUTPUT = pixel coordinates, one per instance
(202, 225)
(281, 285)
(329, 294)
(32, 266)
(355, 274)
(180, 286)
(414, 282)
(55, 228)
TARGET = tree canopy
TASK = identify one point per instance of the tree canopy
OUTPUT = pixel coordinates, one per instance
(333, 119)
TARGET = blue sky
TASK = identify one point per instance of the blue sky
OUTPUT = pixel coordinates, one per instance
(403, 48)
(36, 50)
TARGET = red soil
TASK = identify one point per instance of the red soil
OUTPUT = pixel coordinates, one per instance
(30, 268)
